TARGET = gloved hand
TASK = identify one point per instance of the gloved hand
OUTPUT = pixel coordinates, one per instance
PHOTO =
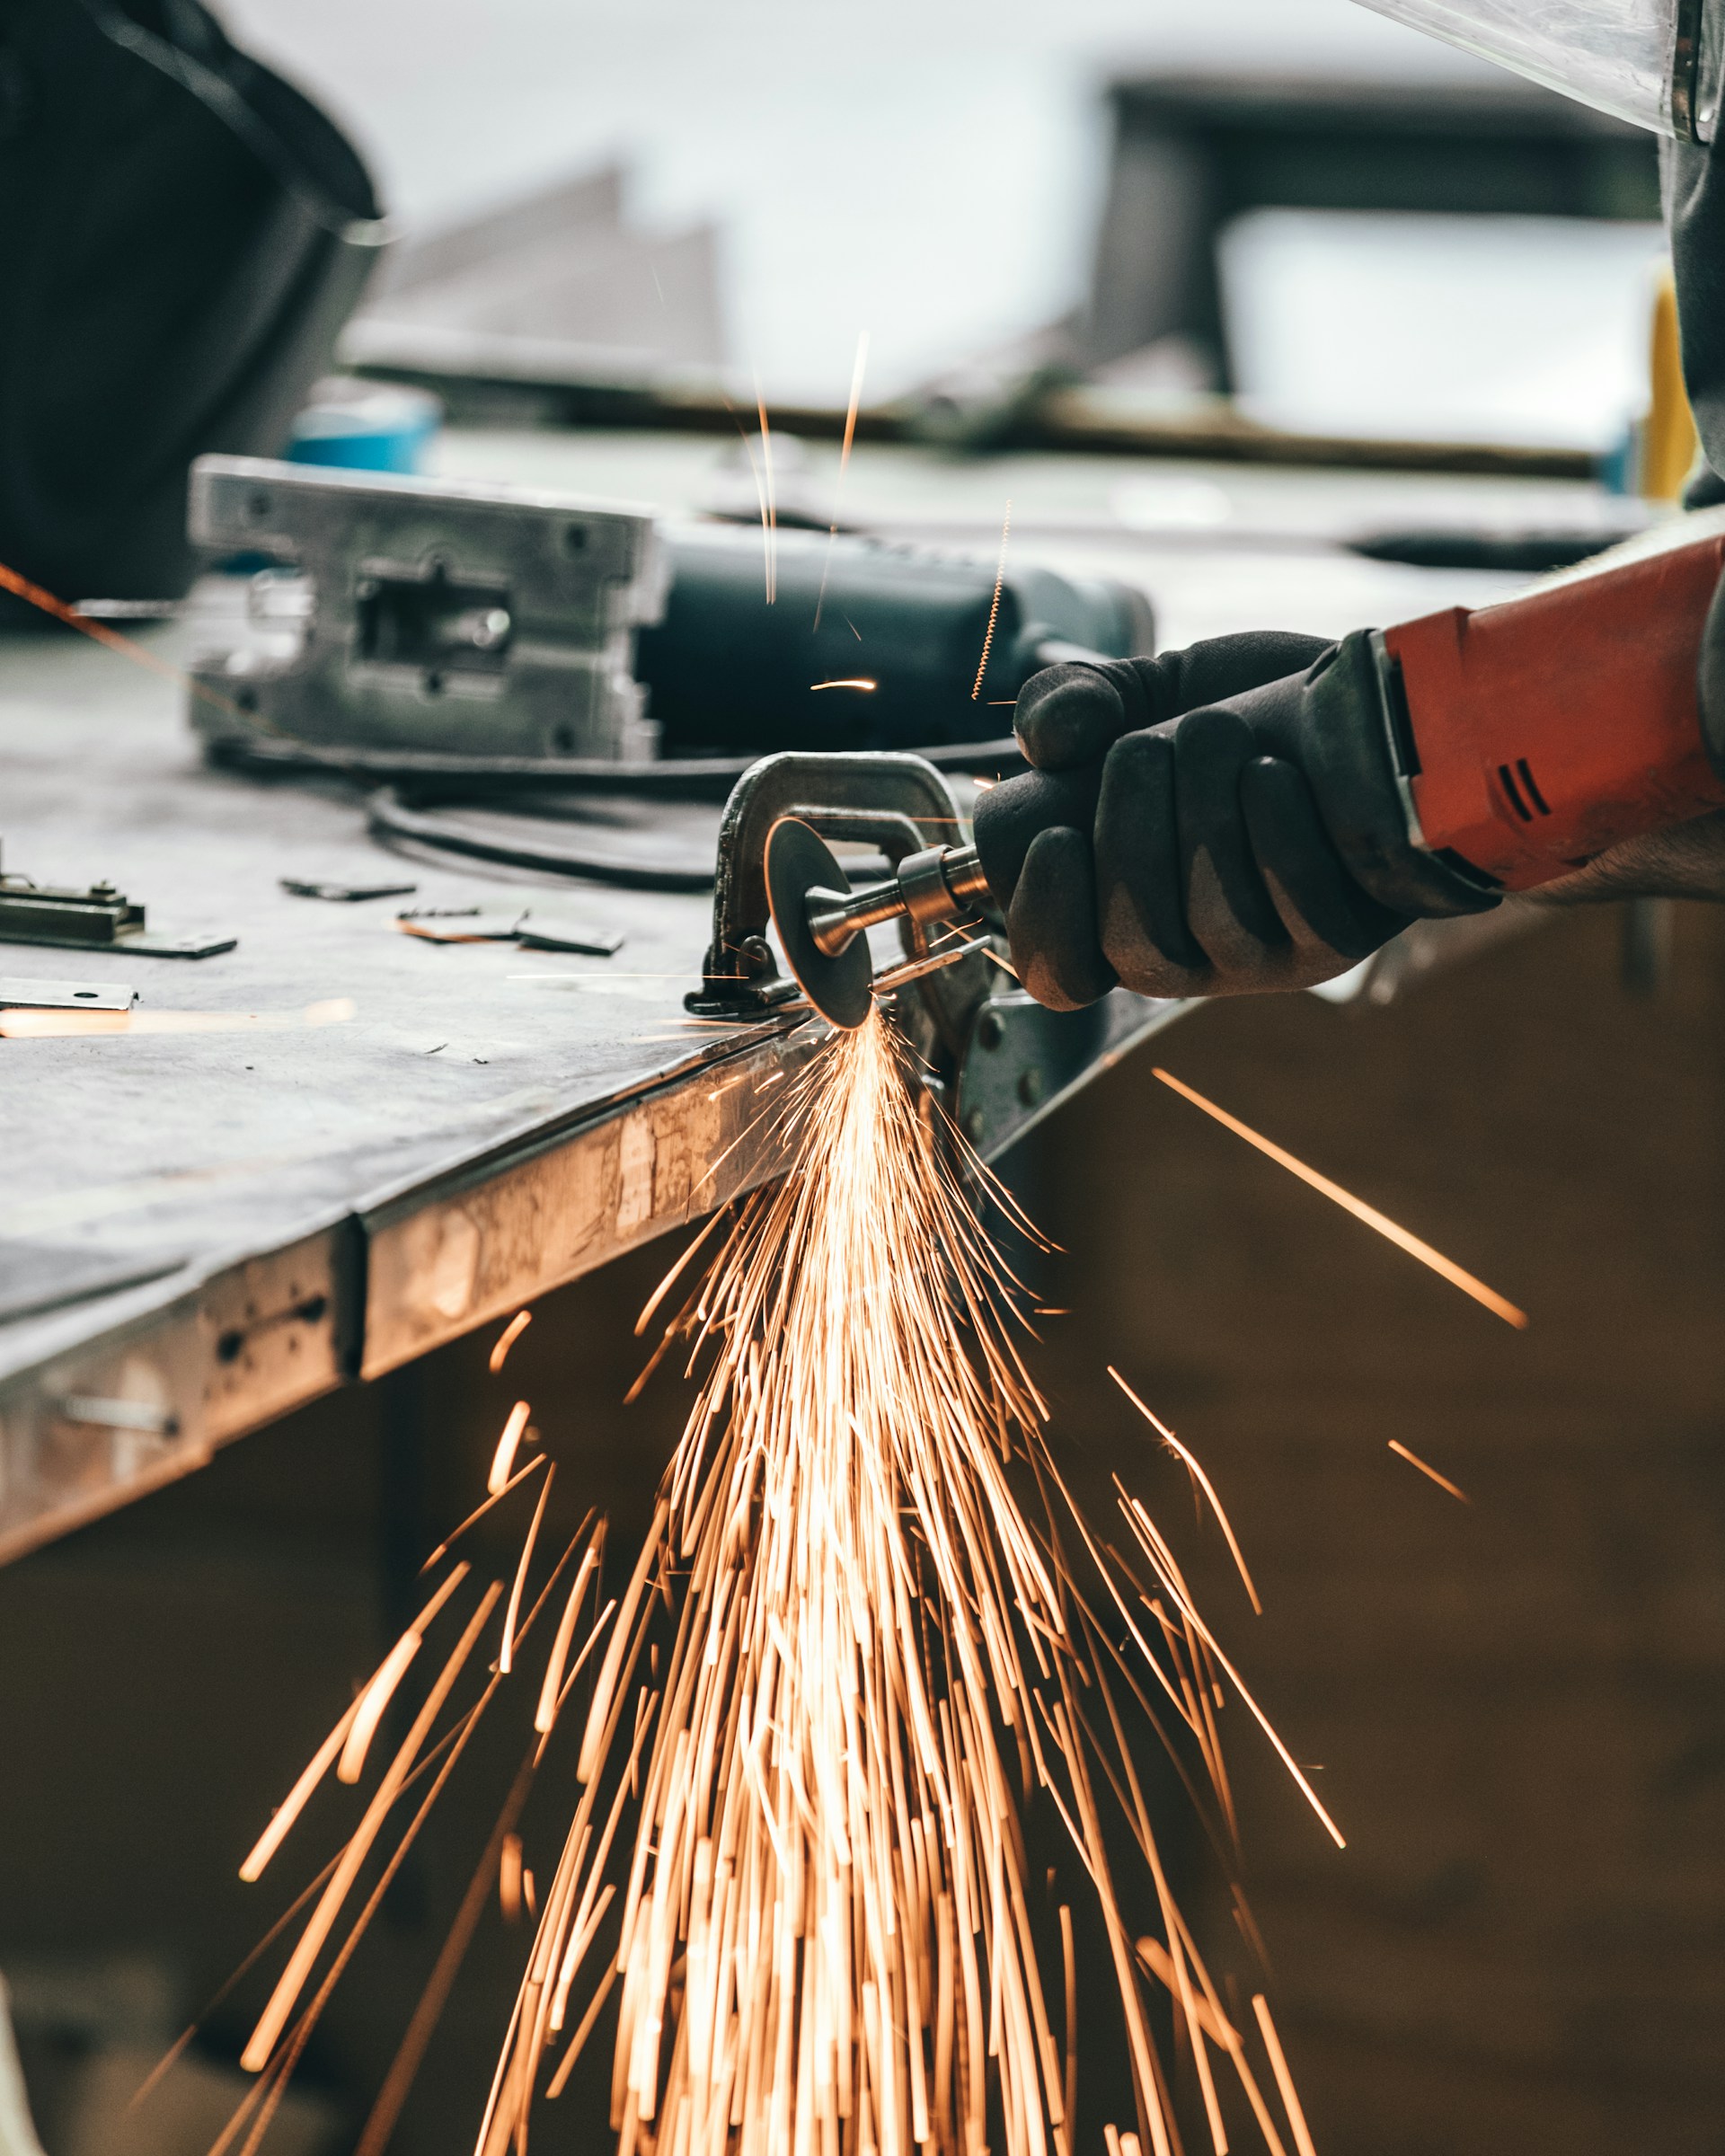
(1219, 821)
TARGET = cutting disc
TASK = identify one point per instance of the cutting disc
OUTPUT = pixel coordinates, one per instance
(799, 860)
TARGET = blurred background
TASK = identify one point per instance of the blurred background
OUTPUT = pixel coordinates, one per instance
(973, 180)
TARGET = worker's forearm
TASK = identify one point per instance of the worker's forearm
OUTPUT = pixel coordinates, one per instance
(1687, 861)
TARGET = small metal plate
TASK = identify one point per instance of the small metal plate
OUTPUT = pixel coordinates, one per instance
(177, 947)
(345, 894)
(17, 994)
(797, 861)
(546, 932)
(466, 925)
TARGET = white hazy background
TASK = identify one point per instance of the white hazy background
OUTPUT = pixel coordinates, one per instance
(926, 169)
(930, 171)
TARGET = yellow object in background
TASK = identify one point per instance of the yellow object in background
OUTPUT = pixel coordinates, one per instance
(1668, 437)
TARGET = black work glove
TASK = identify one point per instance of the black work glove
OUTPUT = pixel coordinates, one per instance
(1220, 821)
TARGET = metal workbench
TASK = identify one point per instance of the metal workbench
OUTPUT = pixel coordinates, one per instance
(201, 1228)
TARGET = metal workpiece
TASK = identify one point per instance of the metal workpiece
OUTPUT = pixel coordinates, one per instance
(1023, 1061)
(123, 1389)
(436, 616)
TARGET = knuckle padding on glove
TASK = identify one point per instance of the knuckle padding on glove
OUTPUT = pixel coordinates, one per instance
(1070, 714)
(1293, 849)
(1141, 901)
(1066, 716)
(1223, 666)
(1052, 924)
(1228, 909)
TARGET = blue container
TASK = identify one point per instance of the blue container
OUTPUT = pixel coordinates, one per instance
(366, 427)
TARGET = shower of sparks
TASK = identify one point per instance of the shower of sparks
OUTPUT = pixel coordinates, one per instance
(1446, 1268)
(993, 604)
(851, 410)
(851, 1652)
(507, 1339)
(1443, 1481)
(824, 1931)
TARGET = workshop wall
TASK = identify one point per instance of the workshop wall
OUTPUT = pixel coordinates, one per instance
(1515, 1704)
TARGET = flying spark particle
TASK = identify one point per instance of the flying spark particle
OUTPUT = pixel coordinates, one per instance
(507, 1339)
(994, 607)
(1444, 1266)
(503, 1460)
(1443, 1481)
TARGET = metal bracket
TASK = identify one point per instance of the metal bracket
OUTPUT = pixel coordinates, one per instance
(16, 994)
(99, 918)
(428, 615)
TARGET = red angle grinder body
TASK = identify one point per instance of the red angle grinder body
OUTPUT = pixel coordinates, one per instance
(1554, 726)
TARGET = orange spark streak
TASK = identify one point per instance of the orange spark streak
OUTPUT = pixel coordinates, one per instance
(1163, 1431)
(1284, 2079)
(994, 608)
(256, 2055)
(507, 1339)
(860, 681)
(504, 1457)
(276, 1832)
(140, 655)
(508, 1879)
(769, 507)
(342, 1737)
(843, 465)
(545, 1714)
(376, 1697)
(479, 1511)
(1443, 1481)
(1360, 1210)
(506, 1658)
